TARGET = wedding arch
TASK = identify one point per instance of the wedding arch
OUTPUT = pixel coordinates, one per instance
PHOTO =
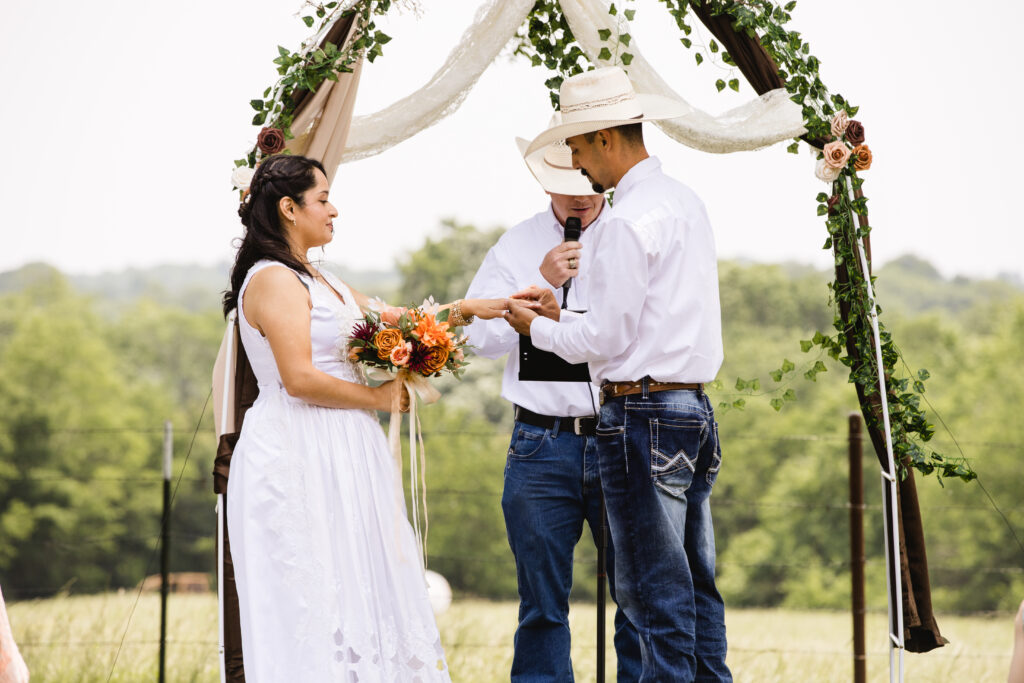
(309, 110)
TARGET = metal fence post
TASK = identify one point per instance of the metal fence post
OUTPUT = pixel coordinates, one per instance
(857, 546)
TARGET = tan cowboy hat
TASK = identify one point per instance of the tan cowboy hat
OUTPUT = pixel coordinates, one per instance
(603, 98)
(552, 166)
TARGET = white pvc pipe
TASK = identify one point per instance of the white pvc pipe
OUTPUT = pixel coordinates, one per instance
(892, 531)
(229, 366)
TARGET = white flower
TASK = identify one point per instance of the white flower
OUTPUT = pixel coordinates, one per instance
(826, 173)
(376, 304)
(429, 306)
(241, 177)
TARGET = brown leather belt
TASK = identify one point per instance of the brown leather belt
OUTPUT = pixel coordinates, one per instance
(614, 389)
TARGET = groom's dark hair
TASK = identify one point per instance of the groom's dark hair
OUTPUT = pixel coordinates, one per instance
(278, 176)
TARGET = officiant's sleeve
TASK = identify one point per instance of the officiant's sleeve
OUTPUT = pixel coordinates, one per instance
(494, 280)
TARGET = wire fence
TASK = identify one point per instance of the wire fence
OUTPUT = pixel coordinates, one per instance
(723, 504)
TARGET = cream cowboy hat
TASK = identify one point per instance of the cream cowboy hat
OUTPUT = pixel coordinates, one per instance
(552, 166)
(603, 98)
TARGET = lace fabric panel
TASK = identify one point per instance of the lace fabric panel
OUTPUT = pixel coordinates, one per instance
(763, 121)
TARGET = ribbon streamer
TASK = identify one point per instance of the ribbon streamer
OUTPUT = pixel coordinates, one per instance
(418, 386)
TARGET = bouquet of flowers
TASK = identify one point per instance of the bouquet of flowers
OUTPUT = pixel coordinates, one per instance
(416, 340)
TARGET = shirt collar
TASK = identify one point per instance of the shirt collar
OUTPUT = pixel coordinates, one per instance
(637, 174)
(552, 220)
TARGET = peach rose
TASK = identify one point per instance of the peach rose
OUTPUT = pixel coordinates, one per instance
(353, 353)
(435, 359)
(861, 157)
(839, 122)
(401, 353)
(836, 154)
(826, 173)
(386, 341)
(391, 314)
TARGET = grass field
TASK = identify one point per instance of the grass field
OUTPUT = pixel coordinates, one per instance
(74, 639)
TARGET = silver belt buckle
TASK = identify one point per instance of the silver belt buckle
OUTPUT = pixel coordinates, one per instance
(576, 426)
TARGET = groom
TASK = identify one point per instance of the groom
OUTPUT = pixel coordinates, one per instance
(551, 484)
(652, 338)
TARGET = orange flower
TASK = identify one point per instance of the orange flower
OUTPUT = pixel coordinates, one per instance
(433, 333)
(386, 340)
(391, 315)
(435, 359)
(861, 157)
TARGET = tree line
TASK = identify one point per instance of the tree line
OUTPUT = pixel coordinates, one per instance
(87, 380)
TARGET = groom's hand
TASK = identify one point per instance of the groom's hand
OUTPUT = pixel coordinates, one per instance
(540, 299)
(520, 315)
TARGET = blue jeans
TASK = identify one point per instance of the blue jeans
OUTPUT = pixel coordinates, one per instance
(551, 487)
(659, 457)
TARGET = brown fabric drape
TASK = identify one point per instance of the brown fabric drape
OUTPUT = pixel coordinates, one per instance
(921, 632)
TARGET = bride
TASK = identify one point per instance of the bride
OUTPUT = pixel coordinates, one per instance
(330, 586)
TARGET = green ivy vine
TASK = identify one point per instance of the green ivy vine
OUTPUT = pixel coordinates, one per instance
(546, 40)
(304, 70)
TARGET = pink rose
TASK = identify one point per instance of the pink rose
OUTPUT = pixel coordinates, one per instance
(839, 123)
(836, 154)
(401, 353)
(391, 314)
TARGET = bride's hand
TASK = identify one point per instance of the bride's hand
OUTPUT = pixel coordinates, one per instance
(485, 309)
(386, 397)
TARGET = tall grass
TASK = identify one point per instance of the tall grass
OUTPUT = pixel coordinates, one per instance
(75, 638)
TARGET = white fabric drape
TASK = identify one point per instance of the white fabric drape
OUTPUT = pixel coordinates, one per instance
(493, 26)
(758, 123)
(761, 122)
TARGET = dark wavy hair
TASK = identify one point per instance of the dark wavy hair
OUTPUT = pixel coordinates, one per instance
(278, 176)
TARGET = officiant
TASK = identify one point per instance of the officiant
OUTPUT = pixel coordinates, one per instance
(551, 485)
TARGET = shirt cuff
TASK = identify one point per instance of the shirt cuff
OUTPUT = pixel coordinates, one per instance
(541, 331)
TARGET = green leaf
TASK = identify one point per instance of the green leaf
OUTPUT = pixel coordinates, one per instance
(605, 54)
(793, 148)
(687, 43)
(624, 39)
(776, 403)
(627, 58)
(805, 345)
(699, 57)
(283, 51)
(787, 365)
(789, 395)
(720, 84)
(923, 374)
(442, 316)
(604, 33)
(776, 375)
(739, 403)
(630, 13)
(790, 5)
(308, 21)
(256, 104)
(713, 45)
(740, 384)
(734, 83)
(755, 384)
(612, 10)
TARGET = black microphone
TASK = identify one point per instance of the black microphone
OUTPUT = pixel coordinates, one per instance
(573, 230)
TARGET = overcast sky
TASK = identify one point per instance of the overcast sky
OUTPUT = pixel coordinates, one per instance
(121, 119)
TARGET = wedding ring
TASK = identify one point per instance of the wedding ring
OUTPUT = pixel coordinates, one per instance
(572, 264)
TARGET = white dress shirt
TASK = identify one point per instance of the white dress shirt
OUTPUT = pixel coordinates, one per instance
(653, 288)
(514, 264)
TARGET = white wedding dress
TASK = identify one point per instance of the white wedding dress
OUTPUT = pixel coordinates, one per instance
(330, 586)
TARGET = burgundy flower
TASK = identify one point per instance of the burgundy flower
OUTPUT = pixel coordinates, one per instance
(364, 331)
(419, 359)
(270, 140)
(855, 133)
